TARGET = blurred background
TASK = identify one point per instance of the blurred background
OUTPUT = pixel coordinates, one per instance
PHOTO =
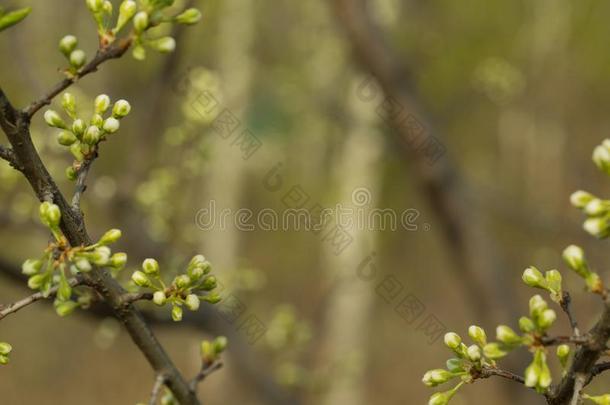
(268, 106)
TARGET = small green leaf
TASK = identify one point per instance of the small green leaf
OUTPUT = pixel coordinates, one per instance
(12, 18)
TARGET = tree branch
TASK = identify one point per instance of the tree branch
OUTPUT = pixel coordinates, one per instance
(81, 179)
(8, 155)
(22, 303)
(206, 370)
(16, 126)
(112, 51)
(566, 300)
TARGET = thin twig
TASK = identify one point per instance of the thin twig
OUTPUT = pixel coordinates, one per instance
(566, 300)
(112, 51)
(206, 370)
(159, 382)
(578, 386)
(560, 340)
(16, 306)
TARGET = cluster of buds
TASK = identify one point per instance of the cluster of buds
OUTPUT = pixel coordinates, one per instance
(574, 256)
(60, 261)
(76, 57)
(82, 137)
(550, 281)
(144, 15)
(5, 350)
(211, 351)
(187, 289)
(597, 211)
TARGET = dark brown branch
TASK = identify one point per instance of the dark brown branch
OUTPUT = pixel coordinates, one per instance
(491, 372)
(112, 51)
(560, 340)
(16, 126)
(584, 363)
(566, 300)
(81, 179)
(8, 155)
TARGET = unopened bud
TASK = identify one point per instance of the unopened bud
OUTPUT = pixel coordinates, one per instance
(159, 298)
(68, 102)
(78, 58)
(493, 351)
(5, 348)
(150, 266)
(37, 281)
(533, 278)
(83, 265)
(65, 308)
(189, 17)
(477, 334)
(111, 125)
(31, 267)
(599, 399)
(101, 256)
(455, 365)
(140, 279)
(66, 138)
(474, 353)
(118, 260)
(580, 199)
(452, 340)
(596, 207)
(212, 298)
(209, 283)
(79, 127)
(164, 45)
(95, 5)
(67, 44)
(574, 256)
(92, 135)
(563, 352)
(110, 236)
(182, 281)
(176, 313)
(140, 21)
(53, 119)
(526, 324)
(101, 103)
(220, 344)
(192, 302)
(601, 158)
(507, 336)
(121, 108)
(50, 215)
(127, 10)
(597, 227)
(97, 120)
(107, 7)
(436, 377)
(546, 319)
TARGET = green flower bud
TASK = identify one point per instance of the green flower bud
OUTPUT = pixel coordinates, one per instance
(436, 377)
(127, 10)
(594, 283)
(209, 283)
(507, 336)
(159, 298)
(66, 138)
(477, 334)
(53, 119)
(553, 280)
(78, 58)
(71, 173)
(101, 256)
(140, 279)
(83, 265)
(601, 158)
(176, 313)
(111, 125)
(574, 256)
(474, 353)
(164, 45)
(532, 375)
(76, 150)
(452, 340)
(182, 281)
(4, 360)
(580, 199)
(110, 236)
(64, 291)
(121, 108)
(150, 266)
(212, 298)
(50, 215)
(455, 365)
(563, 353)
(5, 348)
(596, 207)
(68, 102)
(118, 260)
(138, 52)
(208, 354)
(92, 135)
(95, 5)
(443, 398)
(533, 278)
(101, 103)
(220, 344)
(97, 120)
(79, 127)
(597, 227)
(197, 260)
(494, 351)
(192, 302)
(67, 44)
(189, 17)
(537, 304)
(546, 319)
(65, 308)
(107, 7)
(31, 267)
(140, 21)
(195, 273)
(37, 281)
(526, 324)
